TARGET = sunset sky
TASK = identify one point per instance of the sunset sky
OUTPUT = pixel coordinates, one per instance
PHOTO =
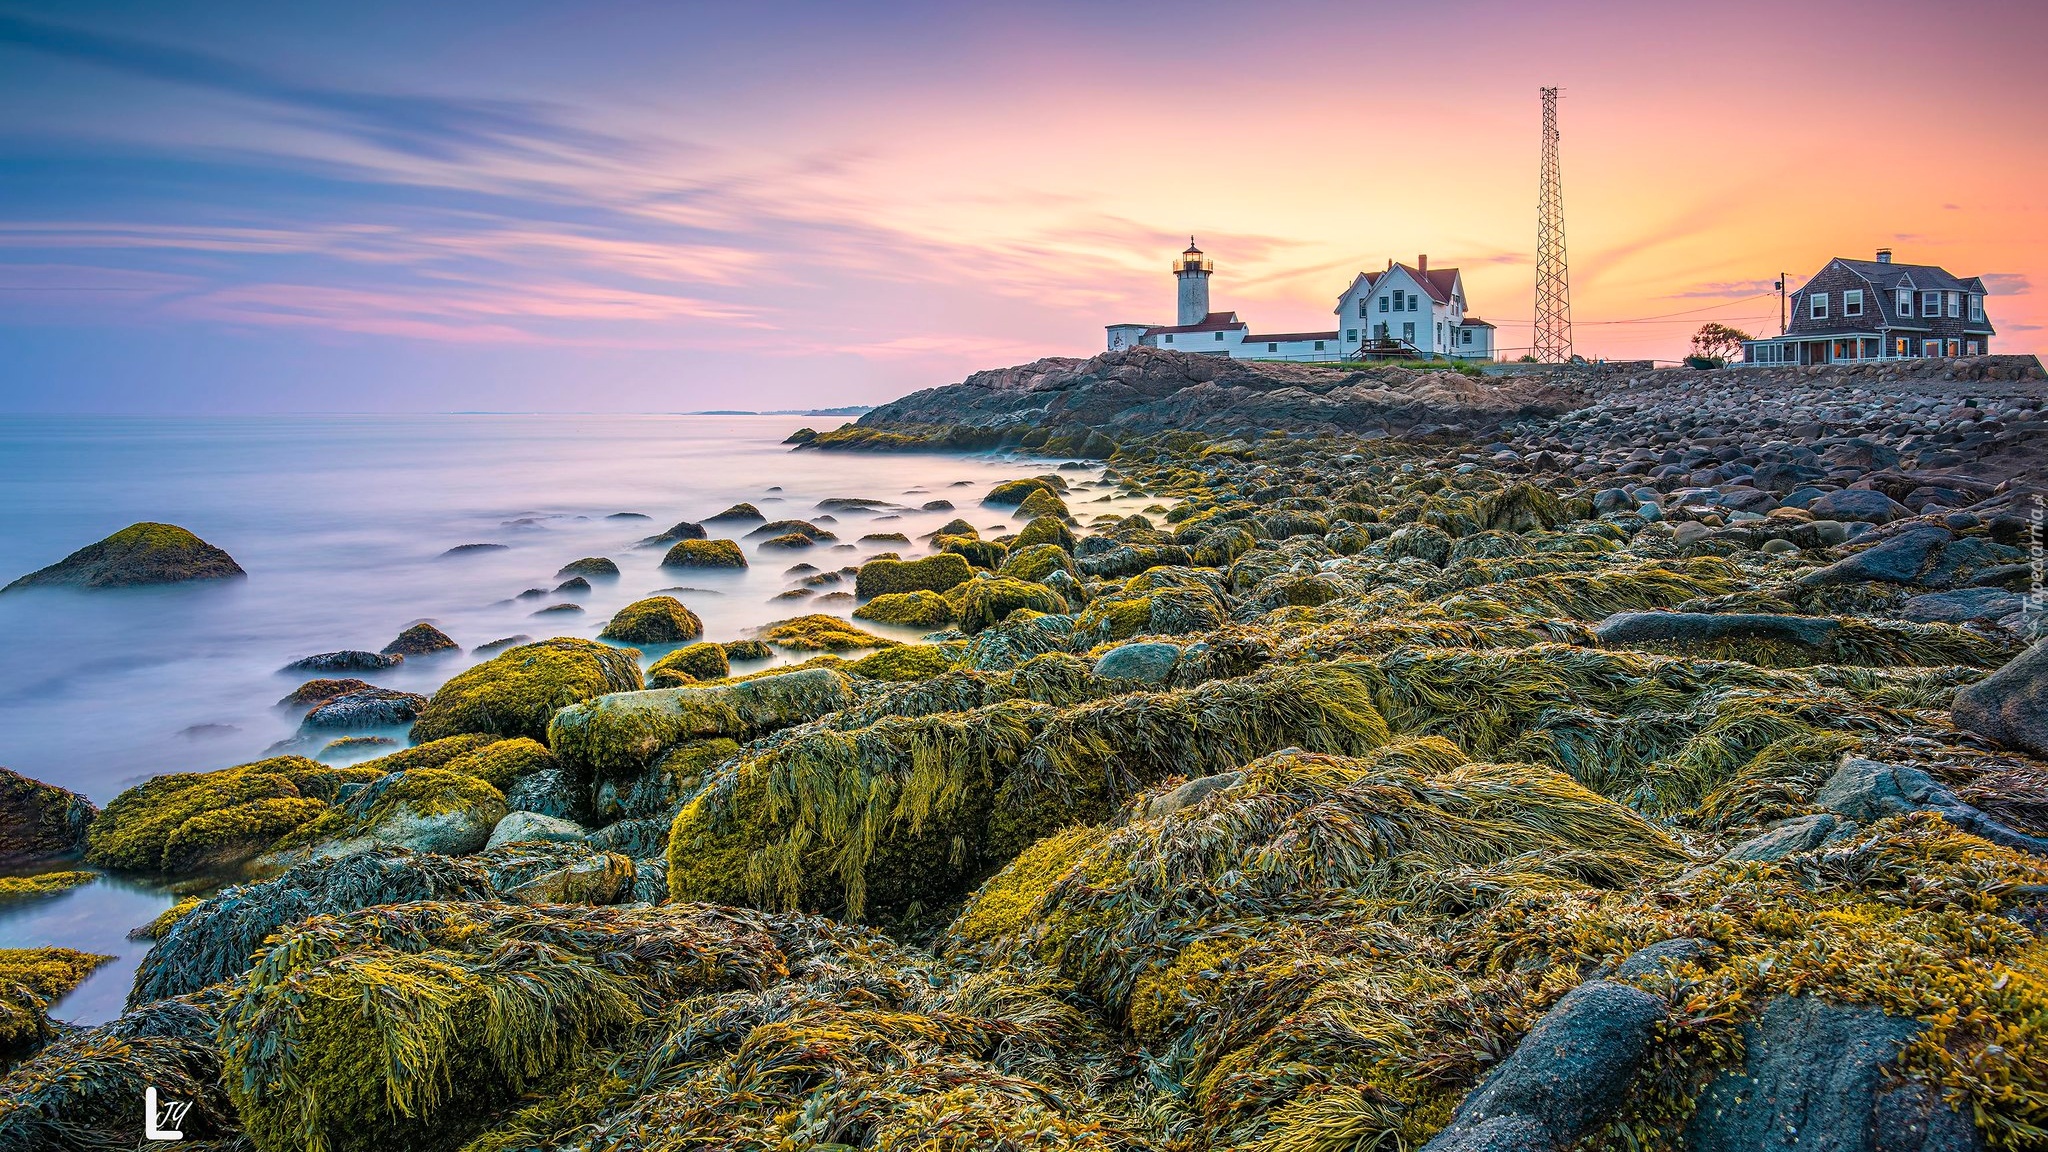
(257, 207)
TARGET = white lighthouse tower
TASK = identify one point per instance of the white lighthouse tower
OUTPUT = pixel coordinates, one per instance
(1192, 270)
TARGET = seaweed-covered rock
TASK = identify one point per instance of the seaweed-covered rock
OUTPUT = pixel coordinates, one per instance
(214, 940)
(691, 553)
(804, 528)
(39, 821)
(13, 888)
(683, 530)
(594, 567)
(1011, 493)
(660, 787)
(232, 813)
(940, 573)
(344, 661)
(740, 512)
(421, 809)
(618, 735)
(421, 639)
(1043, 502)
(919, 609)
(689, 664)
(1046, 530)
(821, 633)
(314, 693)
(516, 692)
(31, 979)
(2011, 705)
(1146, 662)
(522, 826)
(905, 662)
(655, 620)
(145, 553)
(979, 604)
(597, 879)
(1037, 561)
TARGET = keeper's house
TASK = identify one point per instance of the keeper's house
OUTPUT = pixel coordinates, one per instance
(1879, 310)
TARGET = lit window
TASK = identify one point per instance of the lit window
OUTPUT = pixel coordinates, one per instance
(1955, 348)
(1852, 302)
(1930, 303)
(1904, 347)
(1817, 306)
(1976, 307)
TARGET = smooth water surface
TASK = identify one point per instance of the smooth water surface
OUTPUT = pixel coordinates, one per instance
(343, 524)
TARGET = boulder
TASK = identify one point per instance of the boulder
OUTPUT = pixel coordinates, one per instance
(345, 661)
(738, 512)
(1963, 605)
(1866, 790)
(1817, 1075)
(1699, 627)
(1565, 1077)
(1799, 834)
(421, 639)
(421, 809)
(684, 530)
(516, 692)
(1184, 796)
(314, 693)
(602, 878)
(594, 567)
(39, 821)
(2010, 705)
(715, 554)
(369, 707)
(521, 826)
(1867, 505)
(145, 553)
(617, 736)
(1897, 560)
(655, 620)
(1149, 662)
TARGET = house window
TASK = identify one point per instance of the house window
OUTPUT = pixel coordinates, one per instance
(1905, 302)
(1465, 337)
(1361, 307)
(1974, 348)
(1904, 347)
(1414, 302)
(1852, 302)
(1319, 345)
(1439, 333)
(1408, 332)
(1383, 331)
(1976, 307)
(1930, 347)
(1955, 348)
(1383, 303)
(1350, 334)
(1272, 347)
(1400, 298)
(1930, 303)
(1219, 335)
(1817, 306)
(1955, 305)
(1169, 337)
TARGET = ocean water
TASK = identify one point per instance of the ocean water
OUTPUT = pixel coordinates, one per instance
(344, 525)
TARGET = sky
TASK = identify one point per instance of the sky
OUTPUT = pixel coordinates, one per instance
(250, 207)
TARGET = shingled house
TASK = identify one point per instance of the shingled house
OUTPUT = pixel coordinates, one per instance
(1879, 310)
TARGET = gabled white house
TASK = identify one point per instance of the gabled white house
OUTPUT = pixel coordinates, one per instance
(1403, 312)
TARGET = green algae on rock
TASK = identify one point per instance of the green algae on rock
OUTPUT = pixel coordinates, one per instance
(821, 633)
(145, 553)
(214, 819)
(938, 573)
(655, 620)
(689, 664)
(919, 609)
(13, 888)
(31, 979)
(516, 692)
(690, 553)
(619, 735)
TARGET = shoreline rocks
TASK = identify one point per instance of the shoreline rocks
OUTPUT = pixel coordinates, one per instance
(140, 554)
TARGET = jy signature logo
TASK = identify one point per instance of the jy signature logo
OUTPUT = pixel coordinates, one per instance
(160, 1122)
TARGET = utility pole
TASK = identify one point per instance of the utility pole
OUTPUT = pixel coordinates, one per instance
(1553, 336)
(1780, 286)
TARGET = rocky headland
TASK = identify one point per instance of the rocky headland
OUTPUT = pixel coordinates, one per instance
(1599, 759)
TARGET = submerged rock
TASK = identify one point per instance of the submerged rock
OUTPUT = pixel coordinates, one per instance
(346, 661)
(145, 553)
(422, 639)
(714, 554)
(655, 620)
(367, 707)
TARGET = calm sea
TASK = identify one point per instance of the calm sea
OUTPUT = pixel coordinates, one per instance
(343, 524)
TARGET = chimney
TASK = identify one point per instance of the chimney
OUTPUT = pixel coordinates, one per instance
(1422, 262)
(1884, 255)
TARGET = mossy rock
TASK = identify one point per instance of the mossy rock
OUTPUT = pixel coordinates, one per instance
(689, 664)
(314, 693)
(984, 554)
(223, 839)
(662, 787)
(347, 746)
(788, 542)
(705, 554)
(939, 573)
(31, 979)
(38, 820)
(821, 633)
(804, 528)
(145, 553)
(955, 527)
(432, 754)
(747, 650)
(516, 692)
(422, 639)
(422, 810)
(905, 662)
(137, 827)
(655, 620)
(1045, 530)
(1035, 562)
(501, 762)
(979, 604)
(618, 736)
(1012, 493)
(13, 888)
(1043, 502)
(911, 609)
(597, 567)
(741, 511)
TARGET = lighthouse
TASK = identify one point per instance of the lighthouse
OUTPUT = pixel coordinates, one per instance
(1192, 270)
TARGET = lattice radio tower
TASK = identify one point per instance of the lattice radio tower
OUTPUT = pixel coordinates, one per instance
(1553, 343)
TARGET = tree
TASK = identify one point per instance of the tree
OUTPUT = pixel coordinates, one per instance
(1717, 341)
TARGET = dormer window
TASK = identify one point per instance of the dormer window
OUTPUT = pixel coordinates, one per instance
(1817, 306)
(1955, 305)
(1976, 307)
(1852, 302)
(1905, 303)
(1930, 303)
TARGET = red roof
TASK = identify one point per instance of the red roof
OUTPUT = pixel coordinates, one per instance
(1283, 337)
(1473, 322)
(1213, 322)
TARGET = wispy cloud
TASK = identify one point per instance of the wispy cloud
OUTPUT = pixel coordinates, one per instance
(2008, 283)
